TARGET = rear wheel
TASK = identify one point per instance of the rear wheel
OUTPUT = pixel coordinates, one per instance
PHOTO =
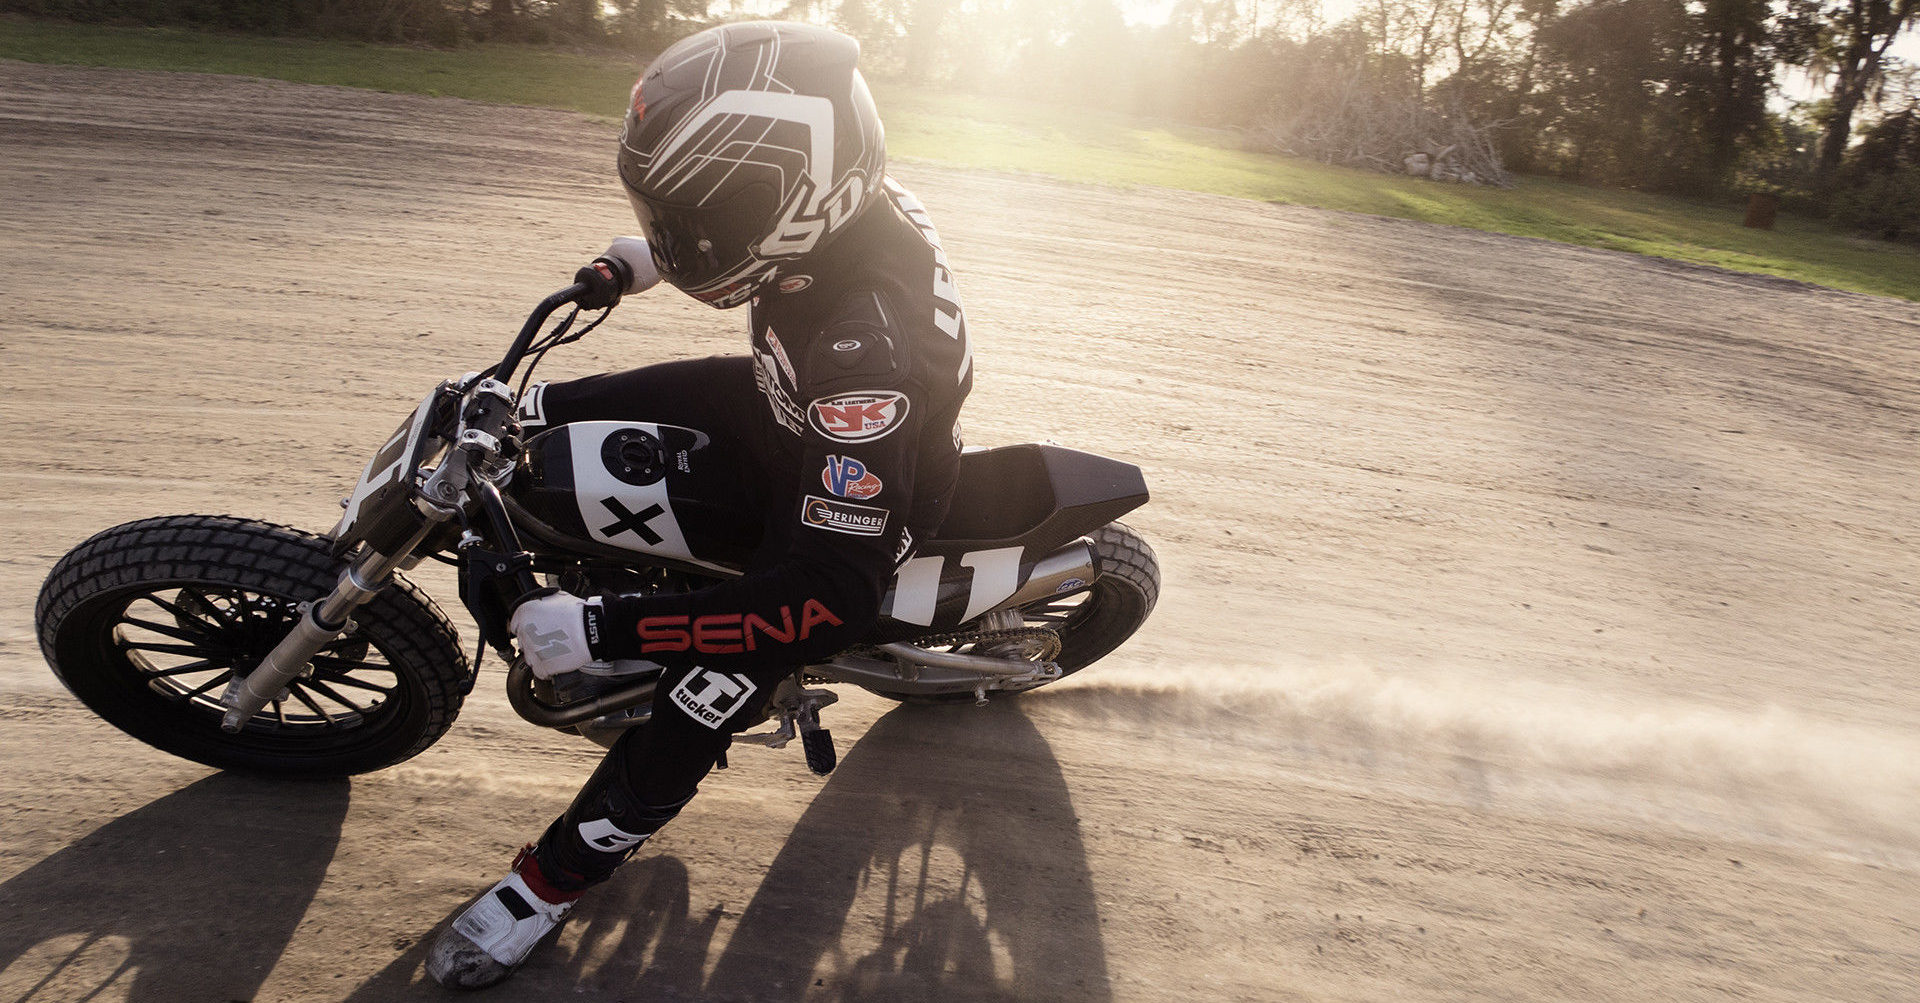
(1091, 622)
(148, 622)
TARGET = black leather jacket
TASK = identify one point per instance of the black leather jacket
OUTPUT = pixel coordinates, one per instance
(862, 362)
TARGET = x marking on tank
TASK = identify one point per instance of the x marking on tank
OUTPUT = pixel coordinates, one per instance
(634, 521)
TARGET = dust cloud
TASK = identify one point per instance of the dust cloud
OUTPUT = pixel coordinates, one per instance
(1770, 771)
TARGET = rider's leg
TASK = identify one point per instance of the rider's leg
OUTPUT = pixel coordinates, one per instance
(644, 781)
(653, 771)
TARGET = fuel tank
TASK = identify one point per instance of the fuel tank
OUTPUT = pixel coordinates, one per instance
(619, 489)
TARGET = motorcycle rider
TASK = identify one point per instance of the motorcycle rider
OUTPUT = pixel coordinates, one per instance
(755, 161)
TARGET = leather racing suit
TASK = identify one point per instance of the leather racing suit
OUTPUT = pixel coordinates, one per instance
(845, 425)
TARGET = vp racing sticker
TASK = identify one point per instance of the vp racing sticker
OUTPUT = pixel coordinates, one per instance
(858, 417)
(840, 517)
(849, 478)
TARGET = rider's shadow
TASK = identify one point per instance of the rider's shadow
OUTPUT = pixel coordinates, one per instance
(129, 910)
(942, 860)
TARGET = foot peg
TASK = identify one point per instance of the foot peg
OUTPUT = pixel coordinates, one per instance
(818, 743)
(799, 711)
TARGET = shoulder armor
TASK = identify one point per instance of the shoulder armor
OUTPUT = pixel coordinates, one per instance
(856, 350)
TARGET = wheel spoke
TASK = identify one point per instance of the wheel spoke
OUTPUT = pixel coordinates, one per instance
(346, 680)
(203, 687)
(300, 693)
(197, 637)
(338, 664)
(320, 687)
(207, 605)
(166, 649)
(183, 613)
(200, 666)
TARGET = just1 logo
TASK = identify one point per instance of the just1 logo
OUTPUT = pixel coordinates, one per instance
(711, 697)
(858, 417)
(840, 517)
(849, 478)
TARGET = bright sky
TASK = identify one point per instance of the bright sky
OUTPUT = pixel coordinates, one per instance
(1150, 12)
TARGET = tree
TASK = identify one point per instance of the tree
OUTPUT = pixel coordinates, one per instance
(1851, 39)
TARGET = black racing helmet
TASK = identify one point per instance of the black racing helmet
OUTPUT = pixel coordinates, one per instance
(747, 147)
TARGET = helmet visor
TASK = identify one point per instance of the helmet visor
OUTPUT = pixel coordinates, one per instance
(707, 251)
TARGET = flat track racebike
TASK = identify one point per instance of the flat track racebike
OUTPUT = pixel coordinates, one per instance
(252, 646)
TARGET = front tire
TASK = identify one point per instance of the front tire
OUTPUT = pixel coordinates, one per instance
(147, 622)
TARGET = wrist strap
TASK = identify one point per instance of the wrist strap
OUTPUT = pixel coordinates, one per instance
(593, 615)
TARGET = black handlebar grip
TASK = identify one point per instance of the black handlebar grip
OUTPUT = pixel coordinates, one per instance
(605, 279)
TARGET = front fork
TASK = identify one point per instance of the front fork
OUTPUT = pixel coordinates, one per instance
(486, 413)
(319, 625)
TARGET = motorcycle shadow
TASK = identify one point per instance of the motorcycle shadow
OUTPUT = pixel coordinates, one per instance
(941, 861)
(194, 896)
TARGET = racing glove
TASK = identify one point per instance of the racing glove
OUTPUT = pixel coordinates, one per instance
(626, 267)
(558, 632)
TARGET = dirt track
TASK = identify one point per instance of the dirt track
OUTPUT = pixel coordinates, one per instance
(1539, 622)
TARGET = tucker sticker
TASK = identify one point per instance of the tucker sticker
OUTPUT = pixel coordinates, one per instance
(858, 520)
(710, 697)
(849, 478)
(858, 417)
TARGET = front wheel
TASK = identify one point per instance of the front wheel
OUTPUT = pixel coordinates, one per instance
(1093, 621)
(147, 623)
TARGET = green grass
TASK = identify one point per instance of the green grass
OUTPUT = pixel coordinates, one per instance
(997, 134)
(503, 74)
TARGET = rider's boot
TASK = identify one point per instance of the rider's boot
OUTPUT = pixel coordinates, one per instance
(603, 827)
(496, 933)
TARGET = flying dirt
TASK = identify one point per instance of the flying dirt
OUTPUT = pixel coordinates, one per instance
(1537, 622)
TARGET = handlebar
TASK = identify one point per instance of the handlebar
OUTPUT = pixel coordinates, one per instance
(511, 361)
(633, 271)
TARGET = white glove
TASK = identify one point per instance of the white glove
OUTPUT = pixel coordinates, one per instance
(552, 632)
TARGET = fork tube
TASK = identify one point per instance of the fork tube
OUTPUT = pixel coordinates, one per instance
(321, 623)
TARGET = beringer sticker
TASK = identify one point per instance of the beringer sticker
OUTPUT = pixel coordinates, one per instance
(849, 478)
(858, 417)
(840, 517)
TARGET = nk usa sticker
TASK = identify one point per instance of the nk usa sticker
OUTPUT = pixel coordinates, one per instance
(858, 417)
(849, 478)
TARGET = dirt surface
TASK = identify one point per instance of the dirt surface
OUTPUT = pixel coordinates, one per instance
(1538, 623)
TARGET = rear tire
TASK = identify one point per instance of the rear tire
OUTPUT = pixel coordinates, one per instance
(1092, 622)
(147, 622)
(1118, 604)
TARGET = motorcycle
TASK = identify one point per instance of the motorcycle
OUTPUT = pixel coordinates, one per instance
(258, 647)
